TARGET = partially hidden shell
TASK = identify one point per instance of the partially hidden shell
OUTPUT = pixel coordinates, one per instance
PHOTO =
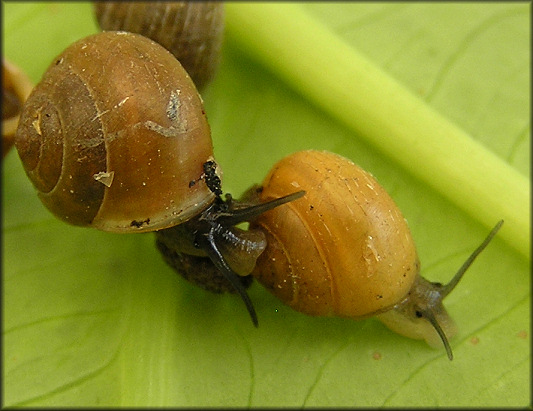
(192, 31)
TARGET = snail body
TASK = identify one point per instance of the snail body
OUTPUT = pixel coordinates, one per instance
(191, 31)
(345, 249)
(115, 137)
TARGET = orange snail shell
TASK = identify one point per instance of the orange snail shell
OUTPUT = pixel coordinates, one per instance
(345, 251)
(115, 136)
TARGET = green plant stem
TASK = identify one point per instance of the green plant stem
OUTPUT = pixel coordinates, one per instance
(333, 75)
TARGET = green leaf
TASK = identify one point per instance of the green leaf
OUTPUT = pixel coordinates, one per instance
(402, 125)
(98, 319)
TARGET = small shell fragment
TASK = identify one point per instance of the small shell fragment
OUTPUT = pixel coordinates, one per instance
(106, 178)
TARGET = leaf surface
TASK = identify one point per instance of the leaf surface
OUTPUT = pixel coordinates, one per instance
(97, 319)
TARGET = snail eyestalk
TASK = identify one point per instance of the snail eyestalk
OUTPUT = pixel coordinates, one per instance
(447, 289)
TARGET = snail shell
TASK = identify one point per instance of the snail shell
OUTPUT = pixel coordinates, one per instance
(115, 136)
(192, 31)
(347, 232)
(345, 249)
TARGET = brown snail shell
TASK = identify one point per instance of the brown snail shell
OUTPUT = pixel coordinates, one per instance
(115, 136)
(192, 31)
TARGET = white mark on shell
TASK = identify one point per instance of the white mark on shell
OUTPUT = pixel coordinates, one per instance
(100, 114)
(106, 178)
(173, 106)
(119, 104)
(122, 101)
(164, 131)
(371, 252)
(37, 124)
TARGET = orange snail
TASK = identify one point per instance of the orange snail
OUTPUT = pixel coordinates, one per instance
(115, 137)
(345, 249)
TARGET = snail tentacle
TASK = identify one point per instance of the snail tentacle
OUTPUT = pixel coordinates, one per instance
(209, 245)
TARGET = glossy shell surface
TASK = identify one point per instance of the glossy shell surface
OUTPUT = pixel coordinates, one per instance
(344, 249)
(115, 136)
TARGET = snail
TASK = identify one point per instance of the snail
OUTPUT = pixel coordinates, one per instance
(345, 249)
(115, 137)
(123, 145)
(16, 87)
(192, 31)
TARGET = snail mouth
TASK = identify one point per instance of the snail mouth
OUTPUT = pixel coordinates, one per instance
(435, 329)
(421, 315)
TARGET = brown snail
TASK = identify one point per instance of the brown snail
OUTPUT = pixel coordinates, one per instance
(123, 145)
(345, 249)
(16, 87)
(192, 31)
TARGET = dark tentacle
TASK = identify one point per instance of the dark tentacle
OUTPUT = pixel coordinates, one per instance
(246, 213)
(447, 289)
(212, 251)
